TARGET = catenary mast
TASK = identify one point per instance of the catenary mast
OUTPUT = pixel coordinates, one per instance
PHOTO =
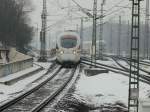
(43, 33)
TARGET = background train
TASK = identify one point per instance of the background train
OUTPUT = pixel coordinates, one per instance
(68, 48)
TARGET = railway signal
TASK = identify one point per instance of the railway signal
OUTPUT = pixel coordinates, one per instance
(133, 99)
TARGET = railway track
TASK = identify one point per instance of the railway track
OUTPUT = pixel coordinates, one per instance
(26, 93)
(147, 75)
(128, 59)
(143, 78)
(41, 107)
(126, 68)
(36, 98)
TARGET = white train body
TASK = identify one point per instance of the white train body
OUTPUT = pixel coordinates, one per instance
(68, 48)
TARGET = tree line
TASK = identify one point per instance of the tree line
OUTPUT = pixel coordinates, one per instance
(14, 28)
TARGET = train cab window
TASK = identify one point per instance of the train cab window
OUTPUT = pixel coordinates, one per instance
(68, 41)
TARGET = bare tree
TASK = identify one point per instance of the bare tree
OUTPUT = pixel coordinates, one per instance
(14, 29)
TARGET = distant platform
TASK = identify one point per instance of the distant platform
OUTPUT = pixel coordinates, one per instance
(10, 79)
(17, 62)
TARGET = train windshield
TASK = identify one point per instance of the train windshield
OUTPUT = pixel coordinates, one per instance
(68, 41)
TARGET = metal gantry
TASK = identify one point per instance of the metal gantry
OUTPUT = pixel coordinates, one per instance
(101, 31)
(101, 35)
(43, 33)
(133, 99)
(93, 48)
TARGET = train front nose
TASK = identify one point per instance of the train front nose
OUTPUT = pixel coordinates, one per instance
(69, 57)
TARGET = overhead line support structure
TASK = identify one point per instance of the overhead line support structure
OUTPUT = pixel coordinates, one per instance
(147, 30)
(93, 49)
(128, 39)
(94, 16)
(119, 37)
(111, 37)
(101, 34)
(81, 33)
(133, 98)
(43, 33)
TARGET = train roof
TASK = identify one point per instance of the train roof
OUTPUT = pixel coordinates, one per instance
(71, 30)
(68, 32)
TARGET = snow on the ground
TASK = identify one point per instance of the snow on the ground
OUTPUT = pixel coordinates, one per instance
(124, 63)
(107, 88)
(146, 60)
(109, 62)
(19, 74)
(144, 67)
(7, 91)
(45, 65)
(52, 59)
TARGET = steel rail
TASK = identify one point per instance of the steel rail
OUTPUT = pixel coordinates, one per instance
(116, 70)
(128, 59)
(146, 76)
(50, 98)
(115, 59)
(22, 96)
(87, 59)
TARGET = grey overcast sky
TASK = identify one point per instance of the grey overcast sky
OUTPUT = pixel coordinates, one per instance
(57, 9)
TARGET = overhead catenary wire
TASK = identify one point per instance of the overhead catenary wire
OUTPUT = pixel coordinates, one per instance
(116, 5)
(117, 10)
(106, 14)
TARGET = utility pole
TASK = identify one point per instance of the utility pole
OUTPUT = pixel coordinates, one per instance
(43, 33)
(37, 35)
(147, 30)
(49, 40)
(81, 33)
(133, 99)
(128, 38)
(93, 49)
(143, 40)
(77, 27)
(101, 32)
(111, 38)
(119, 36)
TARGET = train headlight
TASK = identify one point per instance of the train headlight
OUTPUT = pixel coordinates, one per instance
(61, 52)
(74, 52)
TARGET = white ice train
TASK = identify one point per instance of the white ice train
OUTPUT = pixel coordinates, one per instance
(68, 48)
